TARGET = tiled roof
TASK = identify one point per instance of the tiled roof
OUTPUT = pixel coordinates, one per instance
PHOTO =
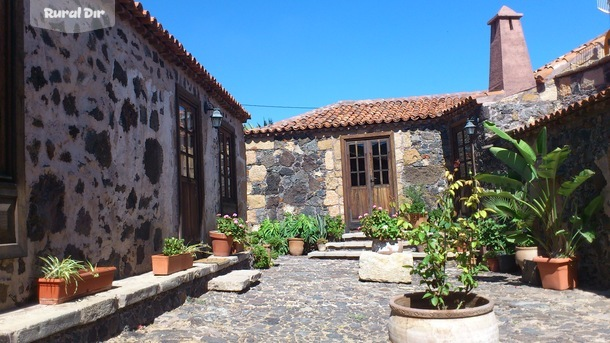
(172, 50)
(365, 112)
(561, 63)
(569, 110)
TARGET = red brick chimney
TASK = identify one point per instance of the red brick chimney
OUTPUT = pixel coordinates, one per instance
(510, 68)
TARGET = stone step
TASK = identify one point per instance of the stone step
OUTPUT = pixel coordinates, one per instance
(350, 245)
(235, 281)
(356, 235)
(351, 254)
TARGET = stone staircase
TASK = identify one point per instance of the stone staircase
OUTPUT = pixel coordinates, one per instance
(352, 246)
(354, 243)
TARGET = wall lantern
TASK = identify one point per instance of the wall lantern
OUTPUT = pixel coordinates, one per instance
(470, 127)
(216, 114)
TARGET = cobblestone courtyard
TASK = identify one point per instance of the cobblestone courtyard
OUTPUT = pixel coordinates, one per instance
(305, 300)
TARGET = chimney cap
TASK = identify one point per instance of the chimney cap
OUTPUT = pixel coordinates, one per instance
(505, 13)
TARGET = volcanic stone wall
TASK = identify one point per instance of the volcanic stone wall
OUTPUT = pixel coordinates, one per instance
(101, 164)
(302, 173)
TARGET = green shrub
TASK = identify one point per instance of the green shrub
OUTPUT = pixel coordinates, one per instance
(416, 203)
(335, 228)
(260, 257)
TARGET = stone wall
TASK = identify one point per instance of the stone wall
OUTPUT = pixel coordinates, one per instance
(302, 173)
(101, 164)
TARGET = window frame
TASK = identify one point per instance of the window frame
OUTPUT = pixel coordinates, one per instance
(12, 183)
(227, 134)
(468, 161)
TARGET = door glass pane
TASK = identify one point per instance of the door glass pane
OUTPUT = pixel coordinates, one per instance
(375, 148)
(377, 179)
(361, 149)
(386, 177)
(352, 150)
(384, 148)
(384, 163)
(189, 120)
(353, 165)
(360, 164)
(362, 179)
(183, 166)
(354, 177)
(191, 162)
(182, 117)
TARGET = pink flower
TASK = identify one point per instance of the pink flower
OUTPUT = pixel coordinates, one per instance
(366, 214)
(226, 216)
(218, 214)
(234, 214)
(374, 206)
(359, 217)
(235, 221)
(380, 209)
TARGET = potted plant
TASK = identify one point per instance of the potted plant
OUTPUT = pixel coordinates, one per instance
(302, 232)
(68, 279)
(444, 307)
(176, 256)
(537, 196)
(415, 206)
(231, 231)
(384, 229)
(321, 242)
(335, 228)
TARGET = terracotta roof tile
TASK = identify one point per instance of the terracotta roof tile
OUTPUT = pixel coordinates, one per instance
(171, 49)
(569, 110)
(561, 63)
(367, 112)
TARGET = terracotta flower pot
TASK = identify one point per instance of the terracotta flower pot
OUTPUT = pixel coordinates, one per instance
(296, 246)
(54, 291)
(557, 273)
(493, 264)
(166, 265)
(413, 319)
(222, 245)
(237, 247)
(417, 218)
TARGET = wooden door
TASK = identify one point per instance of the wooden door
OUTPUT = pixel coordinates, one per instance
(369, 178)
(190, 195)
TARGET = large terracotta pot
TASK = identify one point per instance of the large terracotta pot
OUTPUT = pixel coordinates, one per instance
(296, 246)
(525, 253)
(166, 265)
(222, 245)
(412, 319)
(54, 291)
(557, 273)
(417, 218)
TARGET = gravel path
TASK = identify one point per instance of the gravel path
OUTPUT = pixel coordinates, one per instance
(307, 300)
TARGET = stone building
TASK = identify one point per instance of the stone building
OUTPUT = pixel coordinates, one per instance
(107, 146)
(343, 158)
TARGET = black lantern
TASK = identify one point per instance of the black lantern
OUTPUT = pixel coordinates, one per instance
(469, 127)
(216, 118)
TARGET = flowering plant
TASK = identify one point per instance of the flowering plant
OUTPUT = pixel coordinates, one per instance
(232, 226)
(379, 224)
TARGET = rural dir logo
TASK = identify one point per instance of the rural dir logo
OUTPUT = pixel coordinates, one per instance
(72, 16)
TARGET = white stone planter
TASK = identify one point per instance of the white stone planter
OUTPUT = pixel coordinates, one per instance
(412, 320)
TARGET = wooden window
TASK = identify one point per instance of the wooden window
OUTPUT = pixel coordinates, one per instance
(228, 192)
(12, 185)
(462, 152)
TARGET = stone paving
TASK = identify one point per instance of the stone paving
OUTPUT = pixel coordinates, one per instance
(307, 300)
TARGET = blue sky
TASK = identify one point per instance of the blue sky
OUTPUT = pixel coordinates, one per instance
(311, 53)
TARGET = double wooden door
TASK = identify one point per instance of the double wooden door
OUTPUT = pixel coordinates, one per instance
(369, 177)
